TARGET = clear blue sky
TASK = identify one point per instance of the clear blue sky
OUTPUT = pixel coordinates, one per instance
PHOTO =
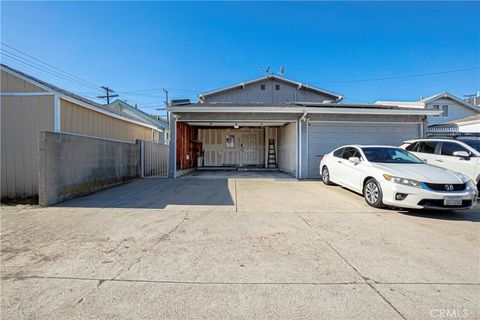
(201, 46)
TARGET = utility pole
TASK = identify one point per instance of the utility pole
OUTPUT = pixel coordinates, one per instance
(108, 95)
(166, 103)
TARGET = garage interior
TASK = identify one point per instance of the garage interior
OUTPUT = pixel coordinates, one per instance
(237, 146)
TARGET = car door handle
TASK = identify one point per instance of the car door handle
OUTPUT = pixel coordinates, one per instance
(438, 160)
(339, 161)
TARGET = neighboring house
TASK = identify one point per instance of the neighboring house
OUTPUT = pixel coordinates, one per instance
(475, 100)
(29, 105)
(163, 132)
(466, 125)
(452, 107)
(237, 125)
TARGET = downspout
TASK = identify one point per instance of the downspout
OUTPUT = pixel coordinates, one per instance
(300, 151)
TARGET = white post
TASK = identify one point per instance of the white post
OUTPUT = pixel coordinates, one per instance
(56, 114)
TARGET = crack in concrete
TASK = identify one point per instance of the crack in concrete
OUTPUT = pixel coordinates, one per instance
(102, 280)
(366, 279)
(114, 278)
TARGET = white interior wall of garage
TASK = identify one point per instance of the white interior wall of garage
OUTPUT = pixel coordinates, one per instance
(215, 152)
(287, 148)
(324, 137)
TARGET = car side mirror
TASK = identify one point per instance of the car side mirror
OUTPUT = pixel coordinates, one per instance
(461, 154)
(355, 160)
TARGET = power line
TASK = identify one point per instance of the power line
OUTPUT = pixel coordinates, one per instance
(108, 95)
(400, 77)
(41, 68)
(48, 65)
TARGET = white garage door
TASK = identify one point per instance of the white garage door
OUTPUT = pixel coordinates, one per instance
(323, 137)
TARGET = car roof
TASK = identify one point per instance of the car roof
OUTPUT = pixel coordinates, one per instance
(368, 146)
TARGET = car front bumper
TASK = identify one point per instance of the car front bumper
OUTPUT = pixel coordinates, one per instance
(425, 199)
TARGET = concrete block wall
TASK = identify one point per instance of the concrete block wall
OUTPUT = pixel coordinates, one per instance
(71, 165)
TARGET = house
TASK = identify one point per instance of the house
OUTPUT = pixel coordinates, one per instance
(468, 125)
(475, 100)
(163, 132)
(452, 107)
(29, 105)
(244, 124)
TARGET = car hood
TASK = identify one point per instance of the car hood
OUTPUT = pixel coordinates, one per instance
(419, 172)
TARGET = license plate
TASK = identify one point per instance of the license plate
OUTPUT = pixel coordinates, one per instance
(452, 201)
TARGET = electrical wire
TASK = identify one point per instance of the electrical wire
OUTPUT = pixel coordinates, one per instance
(49, 65)
(400, 77)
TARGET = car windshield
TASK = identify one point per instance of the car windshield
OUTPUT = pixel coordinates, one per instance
(475, 144)
(389, 155)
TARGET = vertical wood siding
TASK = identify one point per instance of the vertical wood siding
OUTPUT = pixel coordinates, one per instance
(186, 157)
(287, 148)
(10, 83)
(21, 120)
(77, 119)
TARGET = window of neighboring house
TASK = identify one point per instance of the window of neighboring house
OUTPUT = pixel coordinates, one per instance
(448, 148)
(277, 87)
(229, 141)
(427, 146)
(445, 110)
(436, 107)
(262, 87)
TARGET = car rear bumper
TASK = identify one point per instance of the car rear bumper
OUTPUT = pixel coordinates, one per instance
(417, 198)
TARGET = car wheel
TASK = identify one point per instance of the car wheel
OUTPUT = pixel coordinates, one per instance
(326, 176)
(373, 193)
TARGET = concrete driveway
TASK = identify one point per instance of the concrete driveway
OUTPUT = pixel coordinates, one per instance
(236, 248)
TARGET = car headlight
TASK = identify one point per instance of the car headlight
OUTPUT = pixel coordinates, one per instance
(404, 181)
(471, 185)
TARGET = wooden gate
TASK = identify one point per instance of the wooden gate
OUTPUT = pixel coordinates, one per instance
(154, 159)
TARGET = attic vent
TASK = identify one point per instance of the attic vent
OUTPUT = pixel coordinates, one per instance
(262, 87)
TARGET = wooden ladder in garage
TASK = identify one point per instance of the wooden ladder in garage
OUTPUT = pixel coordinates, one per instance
(272, 156)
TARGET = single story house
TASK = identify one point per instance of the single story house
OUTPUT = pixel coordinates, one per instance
(466, 125)
(163, 133)
(29, 105)
(452, 107)
(276, 121)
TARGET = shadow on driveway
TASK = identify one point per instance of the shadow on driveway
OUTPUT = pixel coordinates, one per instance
(160, 193)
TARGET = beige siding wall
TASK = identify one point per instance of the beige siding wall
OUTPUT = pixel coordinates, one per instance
(12, 83)
(287, 148)
(21, 120)
(215, 152)
(77, 119)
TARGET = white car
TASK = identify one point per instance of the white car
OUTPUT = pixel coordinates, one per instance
(391, 176)
(461, 155)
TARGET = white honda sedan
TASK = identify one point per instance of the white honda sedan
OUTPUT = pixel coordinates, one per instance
(392, 176)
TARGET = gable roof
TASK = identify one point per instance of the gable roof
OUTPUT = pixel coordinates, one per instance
(446, 95)
(422, 103)
(145, 116)
(299, 85)
(76, 98)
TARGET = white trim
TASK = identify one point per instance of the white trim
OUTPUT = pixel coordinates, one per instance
(357, 121)
(56, 114)
(446, 95)
(296, 151)
(73, 100)
(307, 123)
(267, 77)
(25, 94)
(299, 109)
(300, 166)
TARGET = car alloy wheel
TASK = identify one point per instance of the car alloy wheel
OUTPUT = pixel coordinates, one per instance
(326, 176)
(373, 193)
